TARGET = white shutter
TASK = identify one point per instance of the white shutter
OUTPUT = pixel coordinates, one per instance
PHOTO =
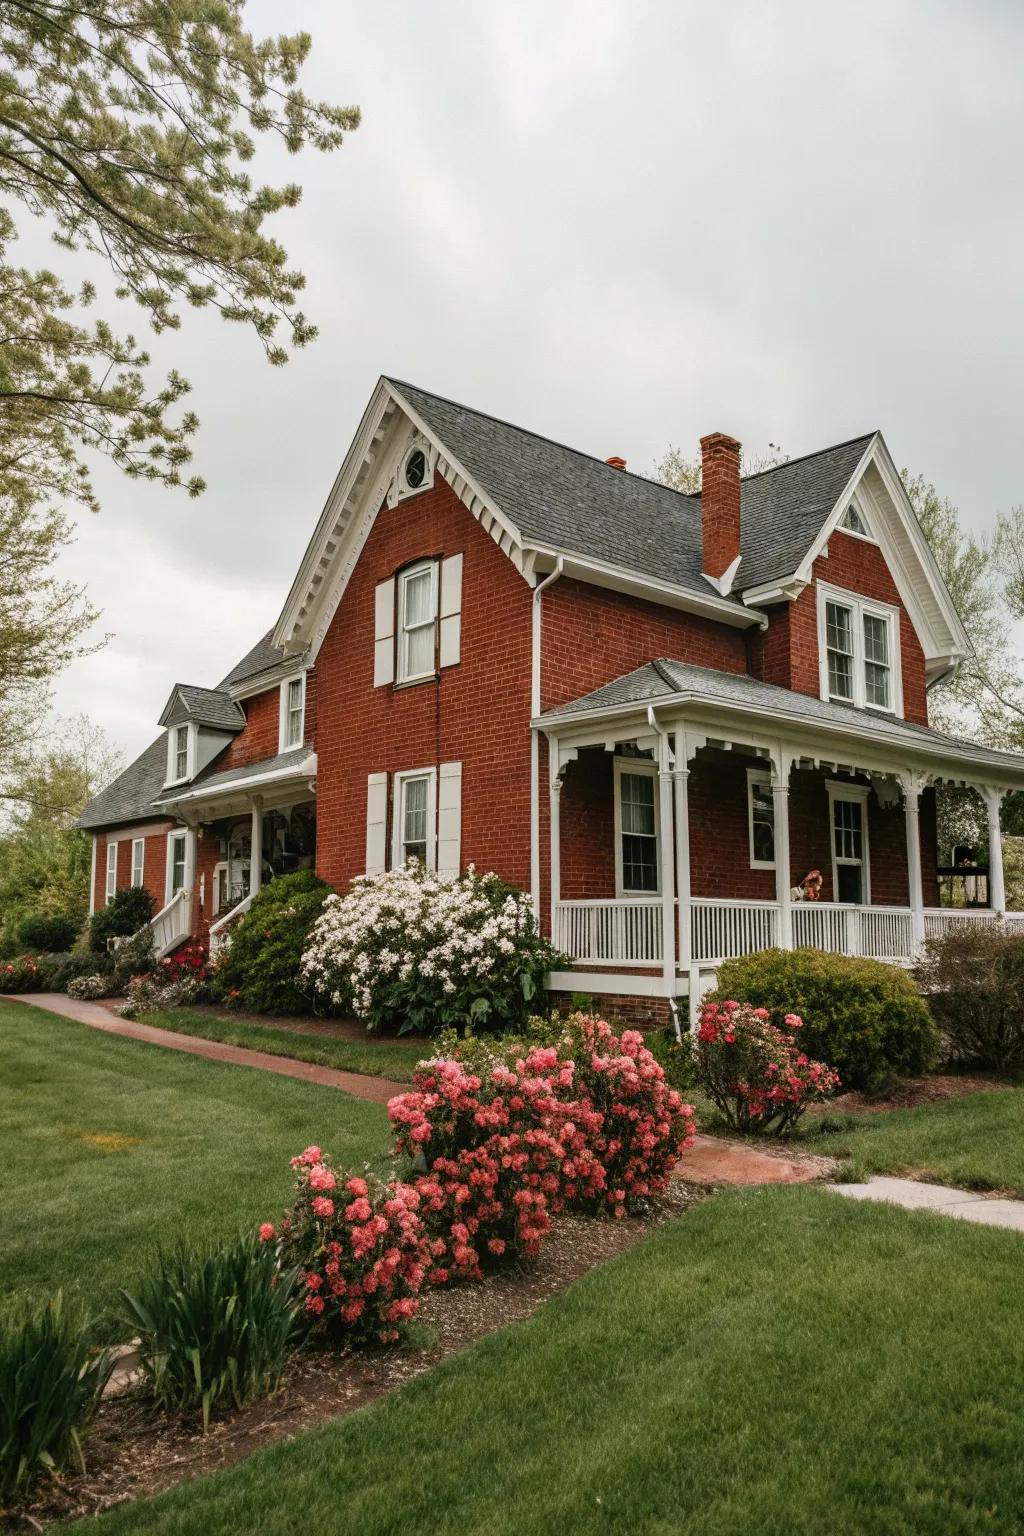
(376, 823)
(451, 609)
(384, 633)
(449, 820)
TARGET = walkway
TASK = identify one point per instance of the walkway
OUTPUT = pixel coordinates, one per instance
(964, 1204)
(379, 1089)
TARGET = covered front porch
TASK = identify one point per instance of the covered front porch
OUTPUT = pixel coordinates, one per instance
(680, 834)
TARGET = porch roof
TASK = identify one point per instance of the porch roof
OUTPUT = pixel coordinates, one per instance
(299, 763)
(665, 681)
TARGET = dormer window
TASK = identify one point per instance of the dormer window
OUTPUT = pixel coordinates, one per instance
(293, 713)
(854, 521)
(180, 753)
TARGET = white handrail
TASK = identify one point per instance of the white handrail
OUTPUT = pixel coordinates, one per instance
(172, 925)
(218, 930)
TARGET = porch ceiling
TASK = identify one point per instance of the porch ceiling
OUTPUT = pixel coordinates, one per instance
(713, 701)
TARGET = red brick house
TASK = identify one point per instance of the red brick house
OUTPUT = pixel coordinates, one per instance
(656, 712)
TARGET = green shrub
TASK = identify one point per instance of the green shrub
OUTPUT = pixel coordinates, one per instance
(48, 973)
(50, 1384)
(89, 988)
(262, 969)
(216, 1326)
(22, 975)
(133, 957)
(674, 1057)
(974, 979)
(865, 1018)
(48, 933)
(129, 910)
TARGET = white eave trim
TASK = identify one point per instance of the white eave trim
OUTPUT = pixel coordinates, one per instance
(617, 578)
(874, 730)
(306, 769)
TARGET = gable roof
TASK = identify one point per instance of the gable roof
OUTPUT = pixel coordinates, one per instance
(263, 656)
(206, 706)
(130, 797)
(665, 679)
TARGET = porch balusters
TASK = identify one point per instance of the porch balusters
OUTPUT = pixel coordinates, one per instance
(783, 878)
(996, 883)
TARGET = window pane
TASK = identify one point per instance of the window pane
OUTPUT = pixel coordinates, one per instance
(850, 881)
(848, 829)
(876, 685)
(840, 630)
(762, 816)
(840, 676)
(418, 598)
(414, 819)
(636, 794)
(419, 651)
(876, 638)
(177, 865)
(639, 863)
(294, 727)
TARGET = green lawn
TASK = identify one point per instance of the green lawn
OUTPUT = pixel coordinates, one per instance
(975, 1141)
(109, 1148)
(778, 1361)
(396, 1060)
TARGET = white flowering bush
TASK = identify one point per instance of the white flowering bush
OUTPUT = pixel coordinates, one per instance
(408, 950)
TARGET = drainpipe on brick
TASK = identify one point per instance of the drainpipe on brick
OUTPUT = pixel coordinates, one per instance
(538, 590)
(668, 863)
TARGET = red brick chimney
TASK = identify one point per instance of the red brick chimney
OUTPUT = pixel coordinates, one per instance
(616, 462)
(720, 504)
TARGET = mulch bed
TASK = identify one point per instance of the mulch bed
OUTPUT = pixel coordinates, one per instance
(910, 1092)
(131, 1454)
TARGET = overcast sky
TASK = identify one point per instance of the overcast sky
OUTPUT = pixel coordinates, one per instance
(622, 224)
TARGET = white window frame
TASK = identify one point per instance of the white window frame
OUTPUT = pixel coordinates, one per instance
(859, 607)
(284, 713)
(761, 777)
(110, 886)
(180, 835)
(402, 490)
(173, 777)
(138, 861)
(857, 507)
(398, 815)
(647, 768)
(402, 674)
(858, 794)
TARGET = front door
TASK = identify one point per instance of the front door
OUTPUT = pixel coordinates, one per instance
(850, 847)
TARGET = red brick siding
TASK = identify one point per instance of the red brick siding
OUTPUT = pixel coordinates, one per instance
(637, 1012)
(587, 819)
(154, 873)
(476, 713)
(787, 653)
(719, 831)
(261, 735)
(720, 502)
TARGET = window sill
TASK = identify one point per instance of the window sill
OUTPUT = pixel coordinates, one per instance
(415, 682)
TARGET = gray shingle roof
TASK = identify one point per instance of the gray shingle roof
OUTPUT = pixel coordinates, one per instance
(211, 779)
(570, 501)
(210, 706)
(130, 797)
(261, 658)
(663, 678)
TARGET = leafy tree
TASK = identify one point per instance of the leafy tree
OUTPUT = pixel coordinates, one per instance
(129, 126)
(44, 860)
(684, 474)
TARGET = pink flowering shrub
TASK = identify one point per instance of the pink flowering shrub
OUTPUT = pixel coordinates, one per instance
(508, 1144)
(754, 1072)
(360, 1249)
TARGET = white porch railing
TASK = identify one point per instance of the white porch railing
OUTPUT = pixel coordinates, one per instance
(219, 929)
(629, 932)
(622, 932)
(721, 929)
(172, 925)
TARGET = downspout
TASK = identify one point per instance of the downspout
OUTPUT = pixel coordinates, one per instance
(667, 840)
(548, 581)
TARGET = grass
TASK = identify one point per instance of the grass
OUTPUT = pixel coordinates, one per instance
(778, 1361)
(396, 1060)
(110, 1148)
(975, 1141)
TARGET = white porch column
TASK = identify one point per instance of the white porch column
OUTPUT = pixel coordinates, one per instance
(668, 862)
(912, 786)
(681, 786)
(256, 846)
(996, 884)
(783, 877)
(556, 835)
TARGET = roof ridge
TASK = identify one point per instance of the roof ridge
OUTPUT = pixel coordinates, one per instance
(660, 666)
(816, 453)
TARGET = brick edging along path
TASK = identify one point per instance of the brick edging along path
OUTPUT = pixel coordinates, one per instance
(709, 1161)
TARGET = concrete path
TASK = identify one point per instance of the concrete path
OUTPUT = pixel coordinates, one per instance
(965, 1204)
(378, 1089)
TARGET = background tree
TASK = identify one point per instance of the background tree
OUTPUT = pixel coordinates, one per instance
(44, 860)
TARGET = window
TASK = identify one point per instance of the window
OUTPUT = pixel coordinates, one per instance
(138, 860)
(855, 522)
(179, 753)
(415, 473)
(761, 818)
(111, 890)
(848, 815)
(859, 647)
(414, 818)
(636, 828)
(417, 621)
(177, 862)
(293, 713)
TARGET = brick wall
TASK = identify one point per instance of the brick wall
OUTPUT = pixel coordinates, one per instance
(154, 874)
(787, 653)
(261, 735)
(476, 713)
